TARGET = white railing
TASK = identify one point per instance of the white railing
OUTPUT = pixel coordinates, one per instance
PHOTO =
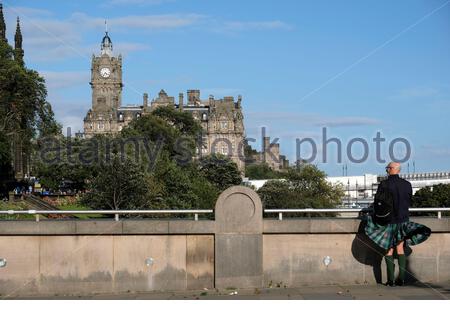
(280, 212)
(115, 213)
(358, 210)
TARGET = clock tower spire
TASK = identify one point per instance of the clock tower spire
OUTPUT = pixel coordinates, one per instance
(106, 46)
(106, 84)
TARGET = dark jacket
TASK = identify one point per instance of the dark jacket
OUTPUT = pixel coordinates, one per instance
(402, 194)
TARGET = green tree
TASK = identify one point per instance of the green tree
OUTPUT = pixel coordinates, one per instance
(261, 172)
(24, 112)
(121, 185)
(159, 133)
(278, 194)
(6, 177)
(220, 171)
(24, 109)
(184, 187)
(437, 196)
(46, 123)
(304, 187)
(58, 158)
(182, 121)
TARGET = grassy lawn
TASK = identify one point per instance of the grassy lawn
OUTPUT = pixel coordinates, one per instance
(79, 207)
(20, 205)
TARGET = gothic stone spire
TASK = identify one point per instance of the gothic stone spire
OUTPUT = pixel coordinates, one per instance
(18, 36)
(2, 25)
(18, 52)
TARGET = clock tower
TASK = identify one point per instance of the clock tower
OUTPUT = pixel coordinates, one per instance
(106, 84)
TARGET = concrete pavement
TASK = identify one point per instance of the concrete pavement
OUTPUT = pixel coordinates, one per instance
(416, 291)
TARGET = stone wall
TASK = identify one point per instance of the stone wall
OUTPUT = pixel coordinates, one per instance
(105, 263)
(239, 249)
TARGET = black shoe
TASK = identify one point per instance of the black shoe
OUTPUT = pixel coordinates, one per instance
(400, 283)
(390, 284)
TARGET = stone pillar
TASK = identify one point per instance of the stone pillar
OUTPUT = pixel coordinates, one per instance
(180, 101)
(145, 102)
(239, 239)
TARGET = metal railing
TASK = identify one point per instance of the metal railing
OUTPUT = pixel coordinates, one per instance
(356, 210)
(196, 213)
(115, 213)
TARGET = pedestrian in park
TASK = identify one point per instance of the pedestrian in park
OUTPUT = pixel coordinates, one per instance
(392, 230)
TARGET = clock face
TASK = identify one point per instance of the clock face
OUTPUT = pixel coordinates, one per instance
(105, 72)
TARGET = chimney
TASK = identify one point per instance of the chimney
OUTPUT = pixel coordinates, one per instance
(145, 100)
(180, 101)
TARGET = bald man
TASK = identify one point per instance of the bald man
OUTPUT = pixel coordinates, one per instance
(402, 196)
(392, 236)
(402, 192)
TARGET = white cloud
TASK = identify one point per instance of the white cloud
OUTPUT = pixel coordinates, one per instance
(74, 123)
(26, 11)
(439, 151)
(142, 22)
(417, 92)
(48, 38)
(70, 113)
(58, 80)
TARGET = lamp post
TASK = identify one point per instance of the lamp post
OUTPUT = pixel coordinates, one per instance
(348, 193)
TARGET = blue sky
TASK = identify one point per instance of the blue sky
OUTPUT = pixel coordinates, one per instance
(354, 67)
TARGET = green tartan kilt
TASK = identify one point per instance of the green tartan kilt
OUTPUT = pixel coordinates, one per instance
(388, 236)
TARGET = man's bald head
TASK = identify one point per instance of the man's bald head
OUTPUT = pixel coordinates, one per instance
(393, 168)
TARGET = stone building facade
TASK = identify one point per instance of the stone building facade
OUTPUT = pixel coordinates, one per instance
(271, 156)
(221, 119)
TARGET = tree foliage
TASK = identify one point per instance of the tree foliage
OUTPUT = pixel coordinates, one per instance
(169, 183)
(164, 135)
(184, 187)
(59, 159)
(23, 105)
(182, 121)
(122, 185)
(220, 171)
(25, 113)
(304, 187)
(6, 177)
(173, 181)
(437, 196)
(261, 172)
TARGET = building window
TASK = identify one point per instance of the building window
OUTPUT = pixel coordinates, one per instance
(224, 125)
(121, 117)
(225, 150)
(204, 117)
